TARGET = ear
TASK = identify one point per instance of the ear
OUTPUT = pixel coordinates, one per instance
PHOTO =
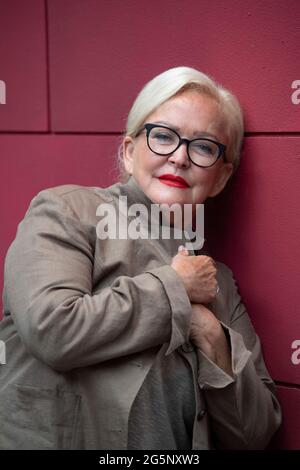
(225, 171)
(128, 148)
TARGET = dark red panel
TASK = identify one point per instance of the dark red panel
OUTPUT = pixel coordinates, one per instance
(254, 227)
(288, 436)
(23, 65)
(29, 164)
(102, 53)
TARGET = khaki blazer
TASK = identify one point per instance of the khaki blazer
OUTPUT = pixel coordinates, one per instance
(84, 319)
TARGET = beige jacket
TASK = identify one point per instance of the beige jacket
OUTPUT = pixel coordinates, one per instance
(84, 319)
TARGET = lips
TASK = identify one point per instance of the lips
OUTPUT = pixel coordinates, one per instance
(172, 180)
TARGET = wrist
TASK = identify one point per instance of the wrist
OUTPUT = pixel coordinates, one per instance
(216, 347)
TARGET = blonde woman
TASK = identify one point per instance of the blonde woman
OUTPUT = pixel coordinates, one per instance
(126, 341)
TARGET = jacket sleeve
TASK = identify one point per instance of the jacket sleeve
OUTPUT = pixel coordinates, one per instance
(244, 412)
(49, 293)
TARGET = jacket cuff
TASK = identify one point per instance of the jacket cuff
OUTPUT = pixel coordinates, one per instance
(210, 375)
(180, 305)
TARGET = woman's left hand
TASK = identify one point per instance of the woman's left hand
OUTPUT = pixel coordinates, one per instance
(207, 333)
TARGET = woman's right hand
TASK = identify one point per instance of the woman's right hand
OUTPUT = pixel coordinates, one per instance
(198, 274)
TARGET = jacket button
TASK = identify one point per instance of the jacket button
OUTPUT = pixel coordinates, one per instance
(187, 347)
(201, 415)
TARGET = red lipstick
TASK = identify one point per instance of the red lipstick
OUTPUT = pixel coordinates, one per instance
(172, 180)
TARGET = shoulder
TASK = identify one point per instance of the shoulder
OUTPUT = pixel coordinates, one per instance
(71, 200)
(71, 193)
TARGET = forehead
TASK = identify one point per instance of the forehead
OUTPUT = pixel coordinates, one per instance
(191, 113)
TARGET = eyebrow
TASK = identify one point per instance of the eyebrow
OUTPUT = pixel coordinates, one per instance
(195, 133)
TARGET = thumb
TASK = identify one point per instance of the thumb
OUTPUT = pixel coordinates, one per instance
(183, 250)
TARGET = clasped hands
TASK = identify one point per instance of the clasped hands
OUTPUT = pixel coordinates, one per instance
(198, 274)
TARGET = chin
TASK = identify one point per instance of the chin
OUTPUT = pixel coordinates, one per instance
(171, 200)
(177, 199)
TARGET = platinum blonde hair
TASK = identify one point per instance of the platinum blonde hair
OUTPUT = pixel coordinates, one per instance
(173, 82)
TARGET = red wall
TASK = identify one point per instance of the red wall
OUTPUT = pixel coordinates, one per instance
(72, 69)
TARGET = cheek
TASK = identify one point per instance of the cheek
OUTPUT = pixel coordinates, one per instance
(145, 162)
(205, 181)
(204, 177)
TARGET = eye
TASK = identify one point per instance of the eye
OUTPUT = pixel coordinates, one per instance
(204, 147)
(163, 136)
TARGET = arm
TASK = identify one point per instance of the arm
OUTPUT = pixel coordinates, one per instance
(208, 334)
(49, 292)
(242, 406)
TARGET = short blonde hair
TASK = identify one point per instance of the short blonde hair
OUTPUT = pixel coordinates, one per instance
(173, 82)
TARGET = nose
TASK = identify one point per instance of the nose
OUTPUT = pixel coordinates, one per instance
(180, 158)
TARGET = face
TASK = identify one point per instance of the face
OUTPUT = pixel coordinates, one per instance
(192, 115)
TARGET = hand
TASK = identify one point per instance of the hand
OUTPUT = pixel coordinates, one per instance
(207, 333)
(198, 274)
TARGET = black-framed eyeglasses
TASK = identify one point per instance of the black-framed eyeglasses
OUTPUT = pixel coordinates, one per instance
(203, 152)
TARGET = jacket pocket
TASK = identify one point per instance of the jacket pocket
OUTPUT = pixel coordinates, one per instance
(35, 418)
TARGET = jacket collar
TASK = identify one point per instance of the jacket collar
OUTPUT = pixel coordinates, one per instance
(135, 195)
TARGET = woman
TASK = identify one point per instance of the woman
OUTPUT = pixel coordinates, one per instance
(127, 342)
